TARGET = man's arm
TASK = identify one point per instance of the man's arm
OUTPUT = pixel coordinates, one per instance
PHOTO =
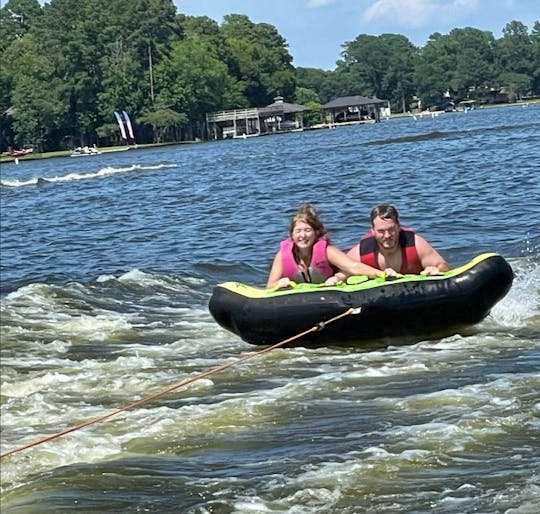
(432, 261)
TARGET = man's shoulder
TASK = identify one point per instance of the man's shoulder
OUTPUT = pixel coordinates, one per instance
(353, 253)
(422, 245)
(408, 237)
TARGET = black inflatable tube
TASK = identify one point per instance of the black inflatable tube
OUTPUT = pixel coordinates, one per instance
(411, 306)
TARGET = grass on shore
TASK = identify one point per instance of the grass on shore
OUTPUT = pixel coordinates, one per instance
(66, 153)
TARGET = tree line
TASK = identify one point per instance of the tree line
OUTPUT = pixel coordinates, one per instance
(68, 65)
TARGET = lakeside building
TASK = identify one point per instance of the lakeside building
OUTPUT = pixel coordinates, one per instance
(280, 116)
(354, 109)
(277, 117)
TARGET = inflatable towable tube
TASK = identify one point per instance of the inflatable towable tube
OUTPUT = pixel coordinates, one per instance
(409, 306)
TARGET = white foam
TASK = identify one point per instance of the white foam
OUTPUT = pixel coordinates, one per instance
(71, 177)
(19, 183)
(523, 299)
(95, 328)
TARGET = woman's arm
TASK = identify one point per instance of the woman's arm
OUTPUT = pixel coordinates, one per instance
(339, 259)
(275, 277)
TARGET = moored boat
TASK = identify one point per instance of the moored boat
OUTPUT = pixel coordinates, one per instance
(85, 151)
(411, 305)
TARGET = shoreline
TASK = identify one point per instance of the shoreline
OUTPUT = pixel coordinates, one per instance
(114, 149)
(102, 150)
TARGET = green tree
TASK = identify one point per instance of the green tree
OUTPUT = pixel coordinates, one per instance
(99, 52)
(193, 81)
(433, 69)
(121, 87)
(75, 52)
(535, 67)
(6, 88)
(260, 61)
(361, 68)
(517, 84)
(323, 82)
(304, 95)
(204, 29)
(516, 52)
(16, 17)
(165, 123)
(515, 49)
(474, 54)
(398, 77)
(67, 66)
(381, 66)
(314, 114)
(36, 103)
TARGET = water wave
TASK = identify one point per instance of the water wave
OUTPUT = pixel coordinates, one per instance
(465, 132)
(106, 302)
(412, 138)
(70, 177)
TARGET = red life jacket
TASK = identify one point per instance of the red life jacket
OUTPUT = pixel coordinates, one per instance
(410, 262)
(319, 269)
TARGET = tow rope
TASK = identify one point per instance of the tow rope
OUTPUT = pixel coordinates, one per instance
(315, 328)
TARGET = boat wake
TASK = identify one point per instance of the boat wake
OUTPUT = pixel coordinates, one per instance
(454, 134)
(413, 138)
(71, 177)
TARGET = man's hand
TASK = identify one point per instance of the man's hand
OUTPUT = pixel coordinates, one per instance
(390, 273)
(430, 271)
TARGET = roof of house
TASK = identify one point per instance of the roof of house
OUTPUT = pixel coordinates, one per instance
(285, 107)
(349, 101)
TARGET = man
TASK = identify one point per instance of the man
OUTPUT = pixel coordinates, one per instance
(393, 248)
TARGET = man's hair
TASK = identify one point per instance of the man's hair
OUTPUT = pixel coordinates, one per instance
(385, 211)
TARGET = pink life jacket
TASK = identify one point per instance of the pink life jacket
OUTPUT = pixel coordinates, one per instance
(319, 268)
(410, 262)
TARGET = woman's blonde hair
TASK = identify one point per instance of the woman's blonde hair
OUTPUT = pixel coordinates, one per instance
(308, 214)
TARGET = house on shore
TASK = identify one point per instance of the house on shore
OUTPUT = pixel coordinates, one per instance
(280, 117)
(275, 118)
(354, 109)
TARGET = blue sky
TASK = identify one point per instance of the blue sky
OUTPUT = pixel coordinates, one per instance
(316, 29)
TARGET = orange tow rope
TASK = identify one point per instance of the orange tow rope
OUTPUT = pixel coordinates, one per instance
(185, 382)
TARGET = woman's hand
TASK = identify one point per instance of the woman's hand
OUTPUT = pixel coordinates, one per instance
(283, 282)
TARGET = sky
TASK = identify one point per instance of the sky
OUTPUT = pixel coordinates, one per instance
(315, 30)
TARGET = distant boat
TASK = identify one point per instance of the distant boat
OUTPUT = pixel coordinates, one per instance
(20, 153)
(85, 151)
(468, 105)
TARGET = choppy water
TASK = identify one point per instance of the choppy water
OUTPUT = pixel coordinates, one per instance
(107, 265)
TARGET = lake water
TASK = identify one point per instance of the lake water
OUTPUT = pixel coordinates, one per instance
(107, 266)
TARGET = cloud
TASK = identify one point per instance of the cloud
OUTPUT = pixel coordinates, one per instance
(319, 3)
(417, 13)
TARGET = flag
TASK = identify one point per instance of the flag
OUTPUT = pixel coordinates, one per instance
(121, 125)
(128, 125)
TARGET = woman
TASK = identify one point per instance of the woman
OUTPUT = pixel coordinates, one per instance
(308, 256)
